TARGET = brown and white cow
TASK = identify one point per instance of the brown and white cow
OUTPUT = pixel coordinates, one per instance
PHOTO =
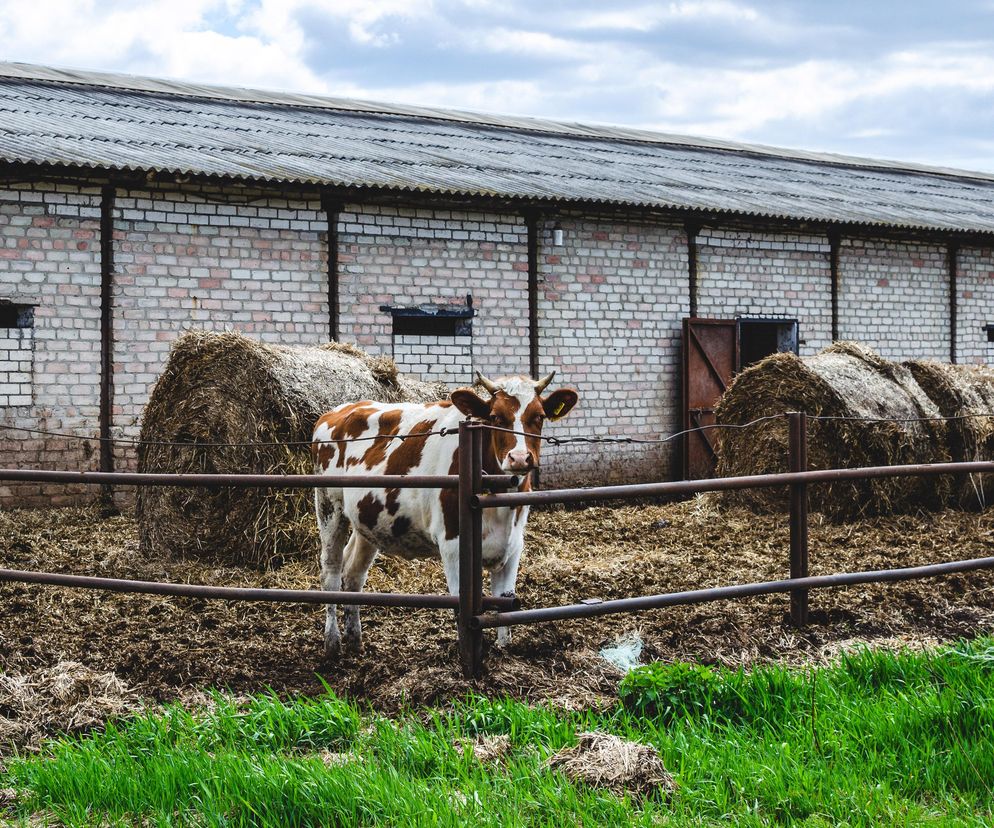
(355, 524)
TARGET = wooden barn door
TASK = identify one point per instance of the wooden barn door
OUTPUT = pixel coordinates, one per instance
(710, 356)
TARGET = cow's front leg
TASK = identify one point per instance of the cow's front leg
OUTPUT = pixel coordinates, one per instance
(359, 557)
(502, 582)
(333, 528)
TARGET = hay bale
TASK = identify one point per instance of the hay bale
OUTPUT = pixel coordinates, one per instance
(846, 380)
(253, 399)
(603, 760)
(965, 393)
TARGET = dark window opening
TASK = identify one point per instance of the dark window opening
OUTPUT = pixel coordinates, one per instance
(758, 338)
(431, 326)
(432, 320)
(16, 316)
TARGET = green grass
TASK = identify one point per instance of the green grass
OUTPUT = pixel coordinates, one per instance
(877, 739)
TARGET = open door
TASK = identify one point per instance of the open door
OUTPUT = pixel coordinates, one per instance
(710, 358)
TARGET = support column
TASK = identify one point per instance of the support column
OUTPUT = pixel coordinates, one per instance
(332, 208)
(107, 198)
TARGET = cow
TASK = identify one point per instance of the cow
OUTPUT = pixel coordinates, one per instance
(357, 523)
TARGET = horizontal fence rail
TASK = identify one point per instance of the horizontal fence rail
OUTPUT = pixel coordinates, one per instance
(281, 596)
(724, 484)
(257, 481)
(594, 607)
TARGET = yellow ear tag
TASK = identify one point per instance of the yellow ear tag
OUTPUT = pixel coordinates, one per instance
(559, 409)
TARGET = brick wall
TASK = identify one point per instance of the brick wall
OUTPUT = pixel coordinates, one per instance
(749, 273)
(894, 296)
(400, 256)
(50, 259)
(446, 359)
(201, 259)
(610, 307)
(975, 304)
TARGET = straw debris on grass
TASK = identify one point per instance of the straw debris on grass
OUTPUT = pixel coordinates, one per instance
(859, 387)
(225, 388)
(603, 760)
(66, 698)
(487, 749)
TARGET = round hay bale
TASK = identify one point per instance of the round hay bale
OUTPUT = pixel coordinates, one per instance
(846, 381)
(965, 393)
(228, 404)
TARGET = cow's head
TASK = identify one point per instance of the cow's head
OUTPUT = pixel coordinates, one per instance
(516, 404)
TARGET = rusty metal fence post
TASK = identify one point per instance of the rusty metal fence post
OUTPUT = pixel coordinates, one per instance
(470, 548)
(798, 442)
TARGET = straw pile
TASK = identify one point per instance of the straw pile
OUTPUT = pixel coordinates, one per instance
(252, 399)
(964, 393)
(66, 698)
(603, 760)
(847, 381)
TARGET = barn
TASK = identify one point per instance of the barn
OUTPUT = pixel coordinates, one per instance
(644, 267)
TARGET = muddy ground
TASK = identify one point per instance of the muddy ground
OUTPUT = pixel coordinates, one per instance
(163, 648)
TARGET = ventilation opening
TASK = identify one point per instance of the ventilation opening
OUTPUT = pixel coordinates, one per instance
(16, 316)
(758, 338)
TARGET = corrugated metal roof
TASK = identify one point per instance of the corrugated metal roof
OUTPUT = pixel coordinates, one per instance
(116, 122)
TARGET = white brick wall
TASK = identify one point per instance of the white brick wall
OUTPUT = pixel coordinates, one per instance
(50, 258)
(390, 255)
(894, 296)
(447, 359)
(610, 307)
(16, 366)
(975, 304)
(750, 273)
(209, 260)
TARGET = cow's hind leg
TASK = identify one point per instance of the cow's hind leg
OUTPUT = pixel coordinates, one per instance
(334, 528)
(359, 557)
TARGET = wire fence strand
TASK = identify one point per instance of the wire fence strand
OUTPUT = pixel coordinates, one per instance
(609, 439)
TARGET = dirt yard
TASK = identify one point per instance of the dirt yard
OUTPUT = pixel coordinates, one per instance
(164, 648)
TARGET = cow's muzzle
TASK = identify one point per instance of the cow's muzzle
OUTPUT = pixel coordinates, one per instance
(519, 462)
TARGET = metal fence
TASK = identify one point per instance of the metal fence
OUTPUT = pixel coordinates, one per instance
(478, 492)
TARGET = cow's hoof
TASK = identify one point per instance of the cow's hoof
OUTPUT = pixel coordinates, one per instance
(332, 650)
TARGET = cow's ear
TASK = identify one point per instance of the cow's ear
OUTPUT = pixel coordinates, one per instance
(468, 403)
(559, 403)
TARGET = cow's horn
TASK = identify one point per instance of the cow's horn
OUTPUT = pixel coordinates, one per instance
(492, 387)
(542, 383)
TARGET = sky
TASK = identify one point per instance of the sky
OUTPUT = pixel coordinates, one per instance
(911, 81)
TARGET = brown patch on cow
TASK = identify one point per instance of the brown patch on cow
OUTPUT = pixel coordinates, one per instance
(450, 502)
(408, 454)
(400, 526)
(369, 508)
(440, 404)
(389, 427)
(344, 424)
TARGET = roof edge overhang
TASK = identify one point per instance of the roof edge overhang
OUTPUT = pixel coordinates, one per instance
(16, 171)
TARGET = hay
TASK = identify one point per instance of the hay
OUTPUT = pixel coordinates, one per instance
(845, 380)
(66, 698)
(226, 388)
(965, 393)
(603, 760)
(486, 748)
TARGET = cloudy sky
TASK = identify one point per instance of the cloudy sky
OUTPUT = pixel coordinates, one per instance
(908, 80)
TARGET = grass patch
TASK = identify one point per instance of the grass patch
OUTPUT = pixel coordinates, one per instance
(877, 739)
